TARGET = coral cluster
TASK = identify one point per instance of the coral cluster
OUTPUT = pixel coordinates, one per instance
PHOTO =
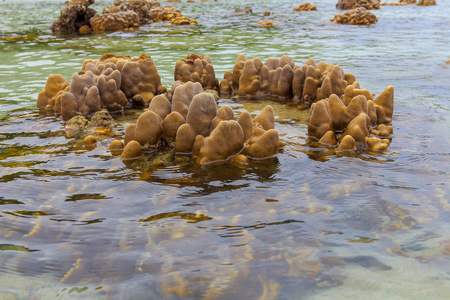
(356, 16)
(200, 129)
(105, 83)
(305, 7)
(400, 3)
(123, 15)
(351, 116)
(171, 14)
(196, 68)
(140, 7)
(187, 120)
(283, 79)
(74, 16)
(245, 11)
(267, 23)
(426, 2)
(122, 20)
(351, 4)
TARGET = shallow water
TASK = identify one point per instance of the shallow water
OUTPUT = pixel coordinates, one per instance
(80, 224)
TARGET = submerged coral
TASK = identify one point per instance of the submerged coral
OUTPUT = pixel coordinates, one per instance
(196, 68)
(242, 10)
(350, 4)
(356, 16)
(305, 7)
(100, 126)
(267, 23)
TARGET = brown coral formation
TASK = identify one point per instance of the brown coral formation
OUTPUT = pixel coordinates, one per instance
(356, 16)
(267, 23)
(205, 132)
(171, 14)
(283, 79)
(358, 118)
(140, 7)
(75, 15)
(245, 11)
(122, 20)
(196, 68)
(426, 2)
(351, 4)
(123, 15)
(399, 3)
(105, 83)
(305, 7)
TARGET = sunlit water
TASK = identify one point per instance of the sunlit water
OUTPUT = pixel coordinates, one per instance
(80, 224)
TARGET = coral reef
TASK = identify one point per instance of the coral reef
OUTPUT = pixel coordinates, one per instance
(351, 4)
(187, 121)
(105, 83)
(123, 15)
(196, 68)
(267, 23)
(356, 16)
(140, 7)
(245, 11)
(305, 7)
(100, 126)
(201, 130)
(74, 16)
(283, 79)
(400, 3)
(426, 2)
(171, 14)
(352, 120)
(122, 20)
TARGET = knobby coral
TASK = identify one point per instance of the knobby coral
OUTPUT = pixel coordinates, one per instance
(305, 7)
(196, 68)
(350, 4)
(123, 15)
(335, 116)
(343, 116)
(105, 83)
(356, 16)
(201, 130)
(74, 16)
(283, 79)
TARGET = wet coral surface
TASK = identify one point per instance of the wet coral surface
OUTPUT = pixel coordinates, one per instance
(77, 221)
(356, 16)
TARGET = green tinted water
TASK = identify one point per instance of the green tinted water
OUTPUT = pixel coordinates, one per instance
(80, 224)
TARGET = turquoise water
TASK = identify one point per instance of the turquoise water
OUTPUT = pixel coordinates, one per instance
(80, 224)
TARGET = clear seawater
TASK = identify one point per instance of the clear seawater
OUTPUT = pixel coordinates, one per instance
(80, 224)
